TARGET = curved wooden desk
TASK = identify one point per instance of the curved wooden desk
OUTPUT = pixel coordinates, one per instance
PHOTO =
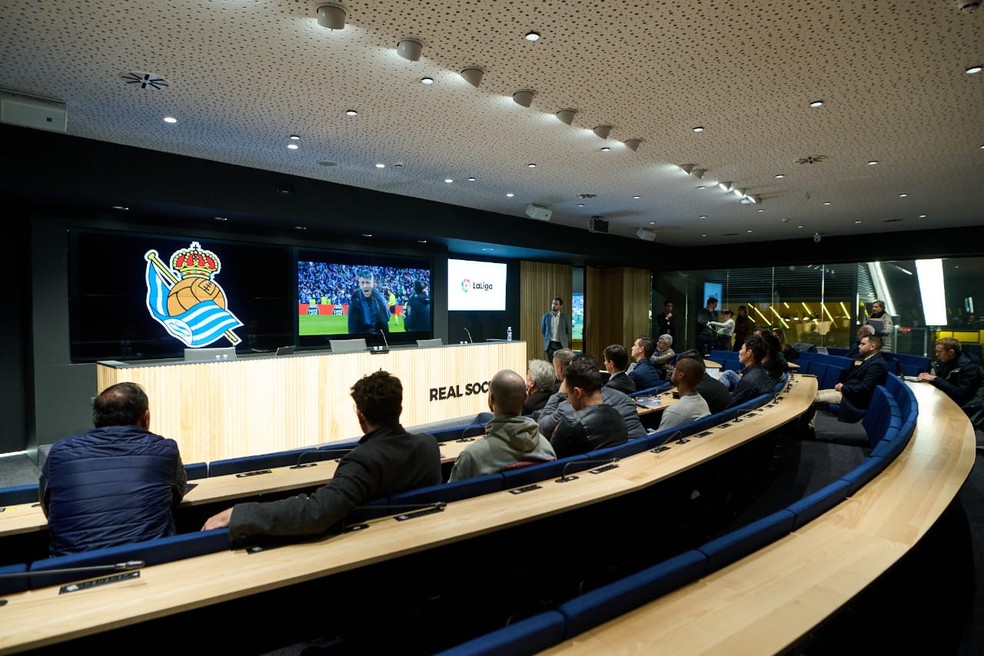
(41, 617)
(768, 601)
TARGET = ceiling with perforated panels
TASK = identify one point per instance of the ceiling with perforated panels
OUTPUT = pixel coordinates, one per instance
(243, 75)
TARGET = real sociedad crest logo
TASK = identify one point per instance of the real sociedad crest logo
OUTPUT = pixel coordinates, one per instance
(184, 298)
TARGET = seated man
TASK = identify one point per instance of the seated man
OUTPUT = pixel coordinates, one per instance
(855, 392)
(691, 406)
(592, 424)
(561, 358)
(863, 331)
(755, 380)
(387, 460)
(509, 437)
(664, 357)
(116, 484)
(540, 384)
(642, 373)
(717, 396)
(955, 373)
(774, 362)
(616, 360)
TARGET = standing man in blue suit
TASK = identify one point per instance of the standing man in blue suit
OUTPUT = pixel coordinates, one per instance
(556, 328)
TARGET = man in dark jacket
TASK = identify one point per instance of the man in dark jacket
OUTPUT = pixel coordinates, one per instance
(367, 312)
(114, 485)
(594, 423)
(642, 372)
(755, 380)
(955, 372)
(855, 392)
(387, 460)
(616, 360)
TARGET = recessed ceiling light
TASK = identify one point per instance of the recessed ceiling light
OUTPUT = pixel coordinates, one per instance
(922, 216)
(873, 162)
(293, 146)
(816, 103)
(760, 211)
(703, 235)
(510, 195)
(580, 204)
(294, 137)
(421, 241)
(449, 180)
(652, 223)
(531, 165)
(856, 221)
(222, 218)
(701, 187)
(799, 226)
(749, 231)
(122, 208)
(367, 234)
(703, 216)
(170, 119)
(427, 80)
(636, 197)
(300, 227)
(472, 178)
(380, 165)
(351, 112)
(699, 128)
(605, 149)
(532, 36)
(973, 70)
(780, 176)
(827, 203)
(903, 195)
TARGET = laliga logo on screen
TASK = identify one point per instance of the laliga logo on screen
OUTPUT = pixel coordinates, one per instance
(465, 285)
(186, 300)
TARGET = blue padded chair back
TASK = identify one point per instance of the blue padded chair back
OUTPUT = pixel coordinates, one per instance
(19, 581)
(662, 387)
(594, 608)
(546, 471)
(196, 470)
(739, 543)
(463, 489)
(878, 415)
(529, 636)
(152, 552)
(812, 506)
(268, 461)
(867, 470)
(18, 494)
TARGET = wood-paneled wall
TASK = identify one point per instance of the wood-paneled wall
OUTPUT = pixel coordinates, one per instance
(539, 283)
(616, 307)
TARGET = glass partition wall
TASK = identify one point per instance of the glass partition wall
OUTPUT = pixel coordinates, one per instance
(823, 304)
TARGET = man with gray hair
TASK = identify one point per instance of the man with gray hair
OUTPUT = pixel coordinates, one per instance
(541, 382)
(509, 437)
(664, 357)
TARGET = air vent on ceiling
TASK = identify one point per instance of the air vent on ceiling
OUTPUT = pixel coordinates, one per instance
(585, 196)
(811, 159)
(891, 220)
(146, 81)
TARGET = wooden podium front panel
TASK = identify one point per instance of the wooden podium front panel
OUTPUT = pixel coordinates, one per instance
(249, 406)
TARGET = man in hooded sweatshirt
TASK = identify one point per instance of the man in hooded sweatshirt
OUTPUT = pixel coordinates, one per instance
(509, 437)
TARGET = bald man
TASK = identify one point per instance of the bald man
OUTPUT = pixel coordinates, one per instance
(509, 437)
(691, 406)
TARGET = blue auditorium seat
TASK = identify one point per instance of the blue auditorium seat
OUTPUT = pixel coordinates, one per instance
(277, 459)
(737, 544)
(196, 470)
(463, 489)
(19, 582)
(528, 636)
(867, 470)
(812, 506)
(18, 494)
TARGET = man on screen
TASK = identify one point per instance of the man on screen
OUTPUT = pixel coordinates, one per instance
(367, 312)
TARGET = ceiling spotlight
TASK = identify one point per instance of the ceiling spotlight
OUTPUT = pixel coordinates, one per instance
(602, 130)
(780, 176)
(332, 16)
(449, 180)
(566, 116)
(472, 178)
(510, 195)
(531, 165)
(294, 137)
(699, 129)
(221, 218)
(170, 119)
(903, 195)
(687, 168)
(726, 186)
(873, 162)
(816, 103)
(739, 192)
(636, 197)
(473, 75)
(523, 98)
(756, 200)
(701, 187)
(973, 70)
(293, 146)
(698, 173)
(532, 36)
(380, 165)
(606, 149)
(351, 112)
(409, 49)
(633, 144)
(427, 81)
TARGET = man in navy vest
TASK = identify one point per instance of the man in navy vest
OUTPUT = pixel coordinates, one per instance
(115, 484)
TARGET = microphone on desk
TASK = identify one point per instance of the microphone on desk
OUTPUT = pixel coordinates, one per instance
(381, 349)
(300, 457)
(565, 478)
(662, 445)
(418, 510)
(470, 340)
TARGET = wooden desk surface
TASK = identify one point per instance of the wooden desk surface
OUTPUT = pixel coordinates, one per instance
(40, 617)
(767, 601)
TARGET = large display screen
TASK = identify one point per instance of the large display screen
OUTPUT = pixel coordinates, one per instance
(140, 296)
(474, 285)
(341, 294)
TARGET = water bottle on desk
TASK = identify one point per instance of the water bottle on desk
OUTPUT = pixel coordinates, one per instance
(509, 334)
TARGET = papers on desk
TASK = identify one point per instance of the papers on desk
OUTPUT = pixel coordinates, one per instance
(648, 401)
(913, 379)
